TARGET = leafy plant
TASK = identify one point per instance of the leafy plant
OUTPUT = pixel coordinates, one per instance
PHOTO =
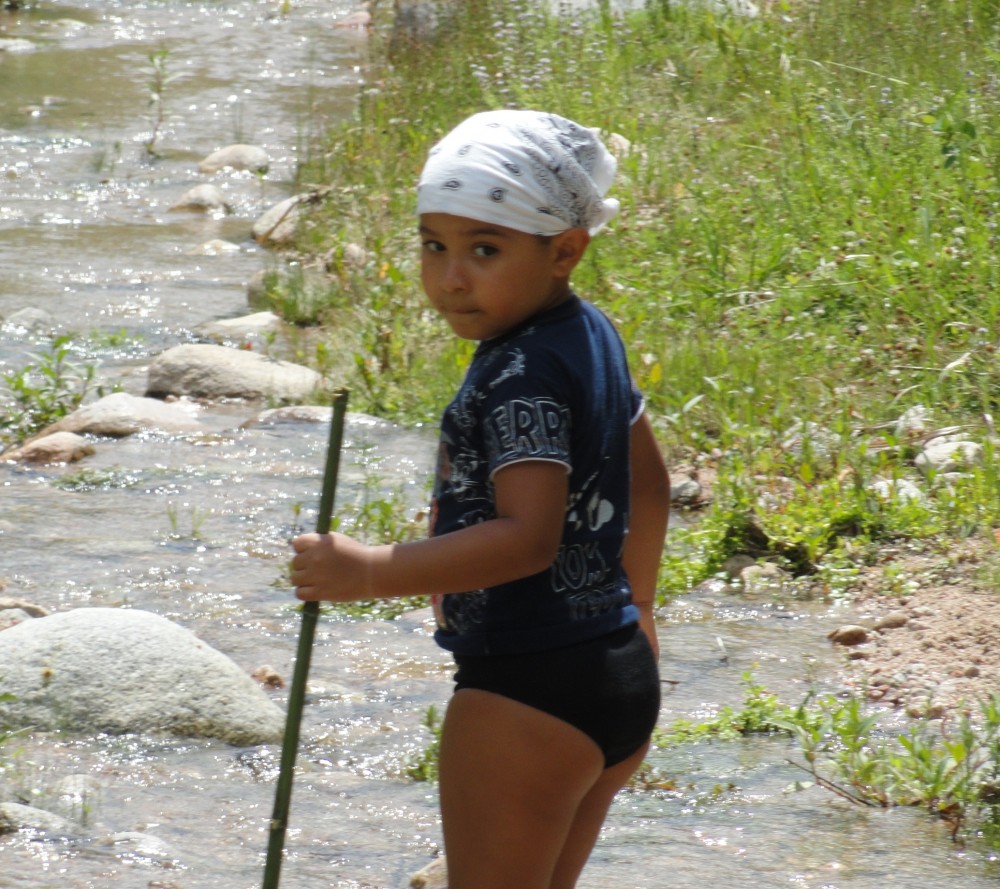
(425, 766)
(45, 390)
(158, 81)
(762, 713)
(952, 770)
(191, 530)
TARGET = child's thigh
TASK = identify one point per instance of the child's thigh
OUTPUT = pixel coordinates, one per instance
(511, 779)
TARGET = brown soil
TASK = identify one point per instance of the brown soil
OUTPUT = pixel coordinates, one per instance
(933, 629)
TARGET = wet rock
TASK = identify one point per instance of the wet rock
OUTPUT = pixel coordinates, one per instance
(29, 608)
(122, 670)
(141, 844)
(203, 199)
(29, 320)
(207, 371)
(735, 565)
(241, 329)
(278, 224)
(268, 677)
(236, 157)
(293, 413)
(119, 415)
(15, 817)
(216, 247)
(360, 19)
(433, 876)
(849, 634)
(75, 795)
(15, 45)
(59, 447)
(762, 577)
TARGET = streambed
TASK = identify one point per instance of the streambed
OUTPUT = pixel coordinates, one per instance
(195, 528)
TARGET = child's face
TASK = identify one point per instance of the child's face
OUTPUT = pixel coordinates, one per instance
(486, 279)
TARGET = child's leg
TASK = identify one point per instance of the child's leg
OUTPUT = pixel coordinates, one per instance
(513, 780)
(590, 817)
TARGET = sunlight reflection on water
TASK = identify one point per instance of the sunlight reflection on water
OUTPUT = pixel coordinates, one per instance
(196, 528)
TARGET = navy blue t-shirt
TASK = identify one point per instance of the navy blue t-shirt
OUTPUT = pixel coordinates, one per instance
(558, 389)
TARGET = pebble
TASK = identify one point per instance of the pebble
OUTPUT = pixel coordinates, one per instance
(850, 634)
(892, 621)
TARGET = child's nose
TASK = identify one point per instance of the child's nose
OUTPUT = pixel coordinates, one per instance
(454, 276)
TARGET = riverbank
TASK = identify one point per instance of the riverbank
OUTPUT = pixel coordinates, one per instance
(935, 629)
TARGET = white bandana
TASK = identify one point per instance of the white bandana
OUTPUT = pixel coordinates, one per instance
(526, 170)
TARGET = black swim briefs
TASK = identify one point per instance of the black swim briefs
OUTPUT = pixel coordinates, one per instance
(608, 688)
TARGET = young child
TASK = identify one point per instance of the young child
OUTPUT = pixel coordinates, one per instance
(549, 514)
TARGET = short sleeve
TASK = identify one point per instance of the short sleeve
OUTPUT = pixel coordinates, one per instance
(527, 416)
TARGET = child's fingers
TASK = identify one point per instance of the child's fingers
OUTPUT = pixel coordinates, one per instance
(307, 593)
(301, 543)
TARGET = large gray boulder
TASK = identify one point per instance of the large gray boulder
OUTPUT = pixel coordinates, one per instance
(208, 371)
(122, 670)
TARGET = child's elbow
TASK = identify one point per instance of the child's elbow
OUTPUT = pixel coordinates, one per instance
(541, 557)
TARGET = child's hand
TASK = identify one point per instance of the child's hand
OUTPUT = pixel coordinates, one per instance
(331, 567)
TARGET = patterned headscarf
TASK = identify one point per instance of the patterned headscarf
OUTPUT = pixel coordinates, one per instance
(526, 170)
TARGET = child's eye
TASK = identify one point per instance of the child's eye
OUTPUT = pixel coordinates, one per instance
(433, 246)
(485, 250)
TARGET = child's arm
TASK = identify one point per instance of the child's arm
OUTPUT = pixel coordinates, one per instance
(522, 540)
(650, 496)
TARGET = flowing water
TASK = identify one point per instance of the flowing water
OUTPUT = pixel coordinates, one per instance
(195, 528)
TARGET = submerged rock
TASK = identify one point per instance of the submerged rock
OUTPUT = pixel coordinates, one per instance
(15, 817)
(30, 320)
(433, 876)
(236, 157)
(203, 199)
(122, 670)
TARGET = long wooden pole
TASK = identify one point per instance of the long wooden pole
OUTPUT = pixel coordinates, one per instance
(297, 692)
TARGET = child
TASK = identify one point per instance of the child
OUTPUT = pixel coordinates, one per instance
(549, 513)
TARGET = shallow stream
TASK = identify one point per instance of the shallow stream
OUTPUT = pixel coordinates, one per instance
(195, 528)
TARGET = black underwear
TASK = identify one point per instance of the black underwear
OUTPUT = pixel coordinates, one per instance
(608, 688)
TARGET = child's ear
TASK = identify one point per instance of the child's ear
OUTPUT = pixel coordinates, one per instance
(568, 249)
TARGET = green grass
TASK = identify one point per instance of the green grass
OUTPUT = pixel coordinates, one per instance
(808, 240)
